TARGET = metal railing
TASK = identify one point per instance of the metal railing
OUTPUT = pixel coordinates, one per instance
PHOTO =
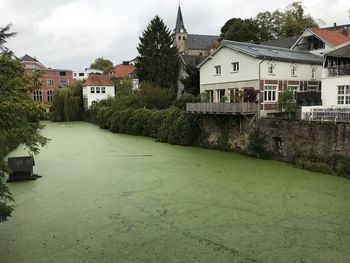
(340, 70)
(329, 114)
(222, 108)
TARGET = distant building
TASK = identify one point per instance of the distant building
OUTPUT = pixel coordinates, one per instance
(191, 44)
(96, 88)
(51, 80)
(320, 40)
(82, 75)
(127, 70)
(282, 42)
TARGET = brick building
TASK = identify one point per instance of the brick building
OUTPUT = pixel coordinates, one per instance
(51, 80)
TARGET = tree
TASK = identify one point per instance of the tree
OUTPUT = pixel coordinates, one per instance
(270, 24)
(243, 30)
(19, 116)
(286, 102)
(296, 21)
(158, 60)
(102, 64)
(4, 35)
(191, 82)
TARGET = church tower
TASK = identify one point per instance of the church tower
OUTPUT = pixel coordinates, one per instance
(180, 33)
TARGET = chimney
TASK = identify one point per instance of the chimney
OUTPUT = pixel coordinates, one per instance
(335, 26)
(344, 31)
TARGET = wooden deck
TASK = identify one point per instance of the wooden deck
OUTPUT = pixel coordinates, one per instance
(243, 108)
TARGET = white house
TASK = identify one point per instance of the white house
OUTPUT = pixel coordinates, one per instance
(82, 75)
(237, 67)
(96, 88)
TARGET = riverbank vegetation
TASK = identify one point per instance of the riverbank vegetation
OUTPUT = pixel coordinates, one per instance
(19, 115)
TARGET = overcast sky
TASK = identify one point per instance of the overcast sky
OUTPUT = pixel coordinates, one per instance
(72, 33)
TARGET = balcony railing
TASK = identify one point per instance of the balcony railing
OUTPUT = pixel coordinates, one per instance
(329, 114)
(340, 70)
(223, 108)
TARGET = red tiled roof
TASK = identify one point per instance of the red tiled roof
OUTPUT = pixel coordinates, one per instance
(123, 71)
(99, 80)
(333, 36)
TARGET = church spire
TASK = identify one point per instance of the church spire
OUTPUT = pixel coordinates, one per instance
(180, 27)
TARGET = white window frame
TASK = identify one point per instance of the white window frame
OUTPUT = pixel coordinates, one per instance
(98, 90)
(270, 93)
(313, 73)
(295, 89)
(235, 67)
(38, 95)
(103, 89)
(49, 94)
(92, 90)
(217, 70)
(343, 95)
(271, 70)
(50, 82)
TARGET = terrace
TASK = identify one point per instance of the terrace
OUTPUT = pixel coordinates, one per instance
(228, 108)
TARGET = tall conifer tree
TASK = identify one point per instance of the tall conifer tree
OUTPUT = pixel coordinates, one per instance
(158, 60)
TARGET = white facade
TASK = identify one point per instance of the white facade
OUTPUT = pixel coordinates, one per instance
(228, 69)
(97, 93)
(83, 75)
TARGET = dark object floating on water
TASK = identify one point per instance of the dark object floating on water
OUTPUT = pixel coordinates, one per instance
(136, 155)
(21, 168)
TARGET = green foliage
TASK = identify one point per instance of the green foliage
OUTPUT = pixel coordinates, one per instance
(286, 102)
(102, 64)
(152, 96)
(321, 167)
(270, 25)
(67, 103)
(158, 60)
(191, 82)
(243, 30)
(257, 145)
(343, 168)
(19, 117)
(186, 98)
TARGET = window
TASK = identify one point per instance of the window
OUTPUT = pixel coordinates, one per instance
(217, 70)
(271, 69)
(313, 73)
(343, 95)
(75, 74)
(49, 95)
(37, 95)
(312, 88)
(220, 95)
(294, 71)
(235, 66)
(97, 89)
(81, 74)
(92, 89)
(294, 89)
(103, 89)
(63, 73)
(183, 38)
(50, 82)
(270, 93)
(179, 37)
(63, 82)
(210, 94)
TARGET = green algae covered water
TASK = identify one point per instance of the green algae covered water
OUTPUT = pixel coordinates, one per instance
(108, 197)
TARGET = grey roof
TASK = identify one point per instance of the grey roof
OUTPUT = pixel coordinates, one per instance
(199, 42)
(179, 22)
(283, 42)
(273, 53)
(193, 60)
(18, 164)
(28, 58)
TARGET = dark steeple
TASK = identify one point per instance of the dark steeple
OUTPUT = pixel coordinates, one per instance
(180, 27)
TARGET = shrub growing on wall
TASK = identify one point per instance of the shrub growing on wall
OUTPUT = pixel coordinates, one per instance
(257, 145)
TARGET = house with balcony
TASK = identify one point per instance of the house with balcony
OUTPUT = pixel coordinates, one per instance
(83, 75)
(335, 87)
(246, 74)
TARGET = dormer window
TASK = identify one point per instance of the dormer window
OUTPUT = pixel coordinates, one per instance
(271, 69)
(313, 73)
(294, 71)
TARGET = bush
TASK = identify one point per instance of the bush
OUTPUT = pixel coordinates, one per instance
(343, 168)
(257, 145)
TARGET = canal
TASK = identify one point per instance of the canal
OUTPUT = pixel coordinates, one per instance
(107, 197)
